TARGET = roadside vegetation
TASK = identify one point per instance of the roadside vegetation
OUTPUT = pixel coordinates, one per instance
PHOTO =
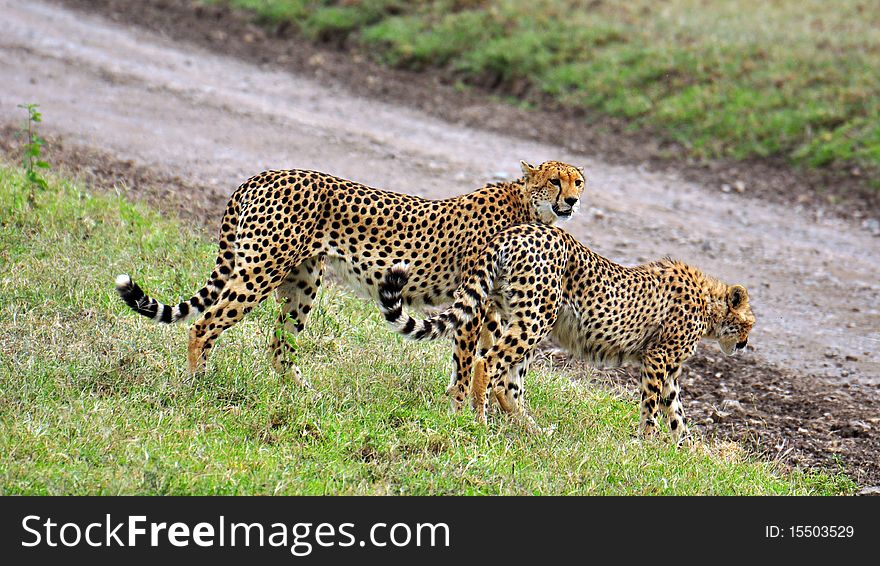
(95, 399)
(796, 79)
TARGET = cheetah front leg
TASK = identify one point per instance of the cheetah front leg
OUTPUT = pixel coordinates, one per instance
(651, 384)
(670, 400)
(295, 293)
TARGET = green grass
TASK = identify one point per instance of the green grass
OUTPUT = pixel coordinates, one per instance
(95, 400)
(798, 79)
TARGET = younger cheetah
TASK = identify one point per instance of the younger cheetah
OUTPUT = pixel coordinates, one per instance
(281, 227)
(544, 282)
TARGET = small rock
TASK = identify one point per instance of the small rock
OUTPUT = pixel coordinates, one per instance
(854, 429)
(732, 406)
(725, 188)
(872, 490)
(802, 430)
(596, 213)
(872, 225)
(719, 416)
(739, 187)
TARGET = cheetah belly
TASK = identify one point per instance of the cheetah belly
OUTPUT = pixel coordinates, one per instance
(575, 336)
(359, 283)
(364, 285)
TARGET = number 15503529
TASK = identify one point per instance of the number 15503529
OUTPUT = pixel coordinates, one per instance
(809, 531)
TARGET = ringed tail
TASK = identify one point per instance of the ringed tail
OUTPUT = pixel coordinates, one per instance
(149, 307)
(469, 298)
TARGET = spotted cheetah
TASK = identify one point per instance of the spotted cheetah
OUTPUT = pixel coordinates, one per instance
(543, 281)
(281, 227)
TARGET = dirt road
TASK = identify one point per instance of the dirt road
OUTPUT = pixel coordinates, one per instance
(213, 121)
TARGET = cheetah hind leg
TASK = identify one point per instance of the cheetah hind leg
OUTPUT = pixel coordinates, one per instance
(466, 340)
(518, 374)
(295, 293)
(503, 385)
(480, 390)
(490, 334)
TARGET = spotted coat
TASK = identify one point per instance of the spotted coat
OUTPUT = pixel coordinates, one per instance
(281, 228)
(546, 283)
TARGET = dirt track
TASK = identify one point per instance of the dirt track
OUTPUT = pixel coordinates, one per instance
(213, 121)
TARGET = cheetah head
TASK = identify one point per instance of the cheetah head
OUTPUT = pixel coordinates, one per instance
(554, 188)
(733, 330)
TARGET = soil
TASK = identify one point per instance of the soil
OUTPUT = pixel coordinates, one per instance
(773, 412)
(843, 190)
(100, 170)
(166, 102)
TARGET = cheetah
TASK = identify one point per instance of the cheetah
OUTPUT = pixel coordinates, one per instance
(282, 227)
(544, 282)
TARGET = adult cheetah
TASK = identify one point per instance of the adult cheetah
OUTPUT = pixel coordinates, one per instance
(281, 227)
(543, 281)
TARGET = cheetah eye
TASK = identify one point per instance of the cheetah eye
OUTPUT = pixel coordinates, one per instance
(555, 182)
(578, 183)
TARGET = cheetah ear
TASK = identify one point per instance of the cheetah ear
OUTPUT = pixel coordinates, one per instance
(736, 296)
(527, 169)
(581, 169)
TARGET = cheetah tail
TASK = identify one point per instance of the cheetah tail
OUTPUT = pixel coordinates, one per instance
(135, 298)
(441, 325)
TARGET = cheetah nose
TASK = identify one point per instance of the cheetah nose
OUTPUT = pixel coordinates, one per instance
(741, 345)
(571, 201)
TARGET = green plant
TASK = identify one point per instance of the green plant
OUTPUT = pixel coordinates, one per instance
(33, 151)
